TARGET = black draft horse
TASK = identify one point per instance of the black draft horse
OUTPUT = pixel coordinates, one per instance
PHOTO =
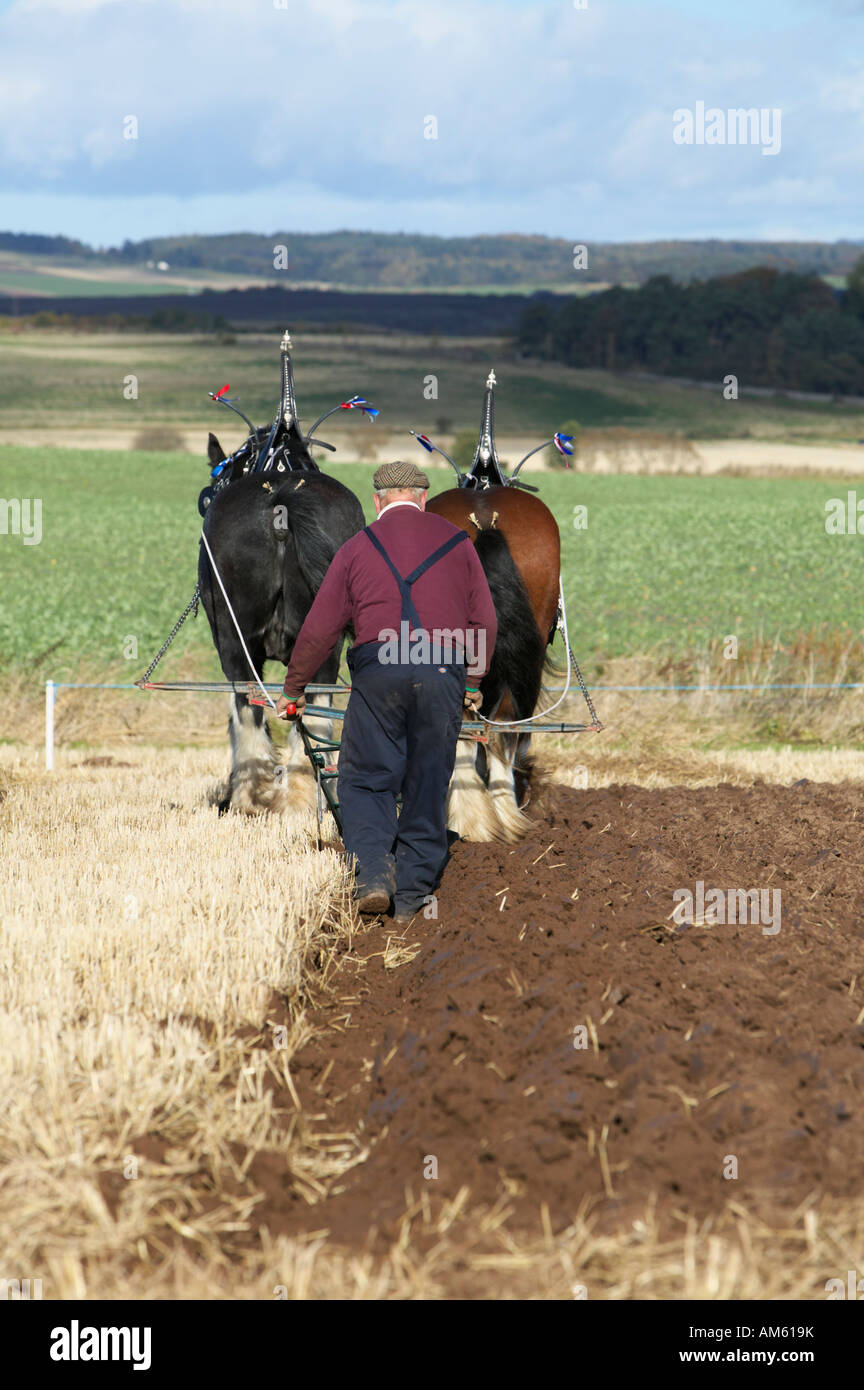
(272, 531)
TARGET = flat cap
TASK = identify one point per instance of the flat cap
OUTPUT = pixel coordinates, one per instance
(399, 474)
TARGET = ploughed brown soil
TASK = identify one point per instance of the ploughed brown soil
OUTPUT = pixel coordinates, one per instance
(703, 1042)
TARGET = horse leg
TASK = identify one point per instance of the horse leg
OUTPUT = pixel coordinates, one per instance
(258, 780)
(483, 803)
(470, 810)
(486, 809)
(501, 754)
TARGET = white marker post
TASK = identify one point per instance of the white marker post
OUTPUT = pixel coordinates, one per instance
(50, 695)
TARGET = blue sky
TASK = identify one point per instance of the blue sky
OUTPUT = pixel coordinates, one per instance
(550, 119)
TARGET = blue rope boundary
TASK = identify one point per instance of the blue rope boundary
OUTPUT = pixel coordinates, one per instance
(661, 689)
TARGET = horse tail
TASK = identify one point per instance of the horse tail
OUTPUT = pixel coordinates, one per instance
(300, 510)
(517, 662)
(483, 803)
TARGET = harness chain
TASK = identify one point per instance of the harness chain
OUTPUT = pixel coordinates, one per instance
(193, 603)
(583, 687)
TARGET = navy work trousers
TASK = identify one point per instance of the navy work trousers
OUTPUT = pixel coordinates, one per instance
(399, 739)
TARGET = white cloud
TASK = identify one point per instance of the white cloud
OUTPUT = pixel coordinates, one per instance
(548, 118)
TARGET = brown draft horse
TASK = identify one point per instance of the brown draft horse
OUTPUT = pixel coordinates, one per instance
(519, 545)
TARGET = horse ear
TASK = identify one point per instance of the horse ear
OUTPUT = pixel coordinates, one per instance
(215, 452)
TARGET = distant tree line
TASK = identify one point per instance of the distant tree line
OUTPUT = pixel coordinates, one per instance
(31, 244)
(766, 327)
(385, 260)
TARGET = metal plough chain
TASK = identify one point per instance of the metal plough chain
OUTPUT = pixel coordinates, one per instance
(192, 604)
(583, 687)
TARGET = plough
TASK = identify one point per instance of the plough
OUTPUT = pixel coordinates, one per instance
(469, 727)
(316, 746)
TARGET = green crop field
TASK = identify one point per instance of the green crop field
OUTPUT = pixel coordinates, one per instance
(70, 278)
(33, 282)
(664, 566)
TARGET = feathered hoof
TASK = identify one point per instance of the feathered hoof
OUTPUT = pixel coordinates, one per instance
(475, 813)
(471, 815)
(484, 821)
(513, 822)
(259, 787)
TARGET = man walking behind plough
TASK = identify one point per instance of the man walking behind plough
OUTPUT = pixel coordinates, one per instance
(412, 588)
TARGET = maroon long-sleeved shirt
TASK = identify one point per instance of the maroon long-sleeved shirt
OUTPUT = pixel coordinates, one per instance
(360, 589)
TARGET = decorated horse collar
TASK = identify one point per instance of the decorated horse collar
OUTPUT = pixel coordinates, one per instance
(486, 470)
(281, 446)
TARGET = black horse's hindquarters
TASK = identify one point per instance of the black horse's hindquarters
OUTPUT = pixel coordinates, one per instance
(272, 544)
